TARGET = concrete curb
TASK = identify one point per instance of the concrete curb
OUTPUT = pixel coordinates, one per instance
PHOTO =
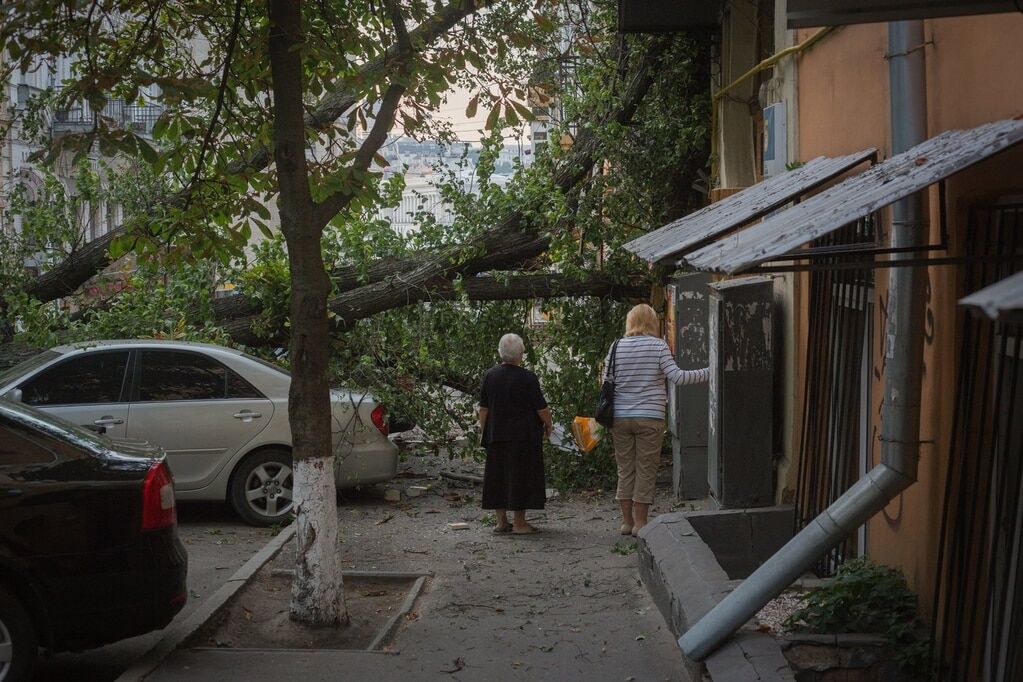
(177, 633)
(685, 581)
(392, 624)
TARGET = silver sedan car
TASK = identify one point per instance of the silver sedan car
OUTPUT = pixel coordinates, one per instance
(221, 415)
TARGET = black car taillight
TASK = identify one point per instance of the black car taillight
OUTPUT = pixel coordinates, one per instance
(158, 508)
(379, 418)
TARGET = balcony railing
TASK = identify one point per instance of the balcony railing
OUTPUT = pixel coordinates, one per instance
(81, 117)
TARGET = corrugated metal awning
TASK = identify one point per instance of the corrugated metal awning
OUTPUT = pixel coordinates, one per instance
(857, 197)
(1002, 301)
(723, 217)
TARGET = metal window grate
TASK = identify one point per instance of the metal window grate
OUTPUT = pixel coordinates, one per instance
(836, 389)
(978, 598)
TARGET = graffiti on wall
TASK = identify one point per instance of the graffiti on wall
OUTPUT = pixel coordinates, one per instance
(692, 331)
(747, 345)
(887, 344)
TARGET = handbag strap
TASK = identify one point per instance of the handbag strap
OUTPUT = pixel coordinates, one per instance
(611, 373)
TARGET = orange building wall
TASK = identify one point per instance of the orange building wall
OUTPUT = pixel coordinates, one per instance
(975, 75)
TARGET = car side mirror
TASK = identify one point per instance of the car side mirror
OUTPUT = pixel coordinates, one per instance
(14, 395)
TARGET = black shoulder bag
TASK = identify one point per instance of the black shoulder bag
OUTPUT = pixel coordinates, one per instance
(606, 402)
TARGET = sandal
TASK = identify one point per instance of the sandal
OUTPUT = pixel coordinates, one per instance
(502, 530)
(528, 530)
(626, 529)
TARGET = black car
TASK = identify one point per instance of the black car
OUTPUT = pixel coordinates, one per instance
(89, 546)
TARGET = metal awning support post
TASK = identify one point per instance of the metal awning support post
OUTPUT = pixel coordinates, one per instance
(901, 411)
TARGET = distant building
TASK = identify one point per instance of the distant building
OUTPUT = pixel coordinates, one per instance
(19, 171)
(428, 164)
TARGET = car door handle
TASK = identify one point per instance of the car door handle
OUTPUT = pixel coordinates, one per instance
(247, 415)
(108, 421)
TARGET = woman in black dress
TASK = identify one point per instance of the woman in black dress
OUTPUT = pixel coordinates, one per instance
(515, 419)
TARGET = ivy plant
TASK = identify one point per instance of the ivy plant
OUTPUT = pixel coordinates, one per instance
(867, 598)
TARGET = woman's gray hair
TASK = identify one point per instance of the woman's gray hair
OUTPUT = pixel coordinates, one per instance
(511, 348)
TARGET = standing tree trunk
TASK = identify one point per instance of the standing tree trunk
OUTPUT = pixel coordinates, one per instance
(317, 593)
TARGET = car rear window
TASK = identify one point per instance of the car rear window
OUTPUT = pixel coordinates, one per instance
(265, 363)
(168, 375)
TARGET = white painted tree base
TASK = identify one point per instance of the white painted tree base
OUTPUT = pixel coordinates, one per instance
(317, 592)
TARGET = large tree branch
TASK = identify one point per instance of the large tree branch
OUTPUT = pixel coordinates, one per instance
(393, 282)
(382, 122)
(532, 286)
(512, 252)
(237, 322)
(491, 249)
(65, 278)
(402, 282)
(366, 301)
(416, 283)
(78, 268)
(400, 31)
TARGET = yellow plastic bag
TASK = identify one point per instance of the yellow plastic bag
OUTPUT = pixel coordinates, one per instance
(587, 432)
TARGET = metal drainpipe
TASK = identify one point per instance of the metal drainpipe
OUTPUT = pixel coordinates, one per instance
(900, 434)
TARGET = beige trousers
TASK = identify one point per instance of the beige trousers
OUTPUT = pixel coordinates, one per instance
(637, 442)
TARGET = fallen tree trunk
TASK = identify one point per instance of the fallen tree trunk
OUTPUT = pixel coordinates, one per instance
(394, 282)
(79, 267)
(397, 283)
(365, 302)
(495, 287)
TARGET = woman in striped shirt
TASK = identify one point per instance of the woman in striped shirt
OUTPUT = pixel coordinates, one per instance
(642, 363)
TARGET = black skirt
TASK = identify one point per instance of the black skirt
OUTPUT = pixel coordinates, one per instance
(513, 477)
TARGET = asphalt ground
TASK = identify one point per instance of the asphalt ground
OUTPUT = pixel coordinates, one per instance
(563, 605)
(218, 543)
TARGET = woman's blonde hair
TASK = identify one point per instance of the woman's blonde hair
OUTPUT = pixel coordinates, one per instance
(642, 321)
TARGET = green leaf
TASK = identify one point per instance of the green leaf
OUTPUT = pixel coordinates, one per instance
(523, 110)
(495, 113)
(260, 209)
(470, 110)
(120, 246)
(264, 228)
(149, 154)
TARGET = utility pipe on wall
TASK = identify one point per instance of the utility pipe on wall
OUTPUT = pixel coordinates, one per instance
(715, 99)
(900, 432)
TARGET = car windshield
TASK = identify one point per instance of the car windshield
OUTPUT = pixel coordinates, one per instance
(54, 426)
(26, 366)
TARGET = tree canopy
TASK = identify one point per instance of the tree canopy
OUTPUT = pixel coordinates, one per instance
(426, 308)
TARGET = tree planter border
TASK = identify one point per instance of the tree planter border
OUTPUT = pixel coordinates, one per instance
(179, 632)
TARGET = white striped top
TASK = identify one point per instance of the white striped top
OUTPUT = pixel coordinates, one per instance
(642, 364)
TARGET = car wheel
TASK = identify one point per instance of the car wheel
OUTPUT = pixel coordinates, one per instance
(261, 489)
(18, 643)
